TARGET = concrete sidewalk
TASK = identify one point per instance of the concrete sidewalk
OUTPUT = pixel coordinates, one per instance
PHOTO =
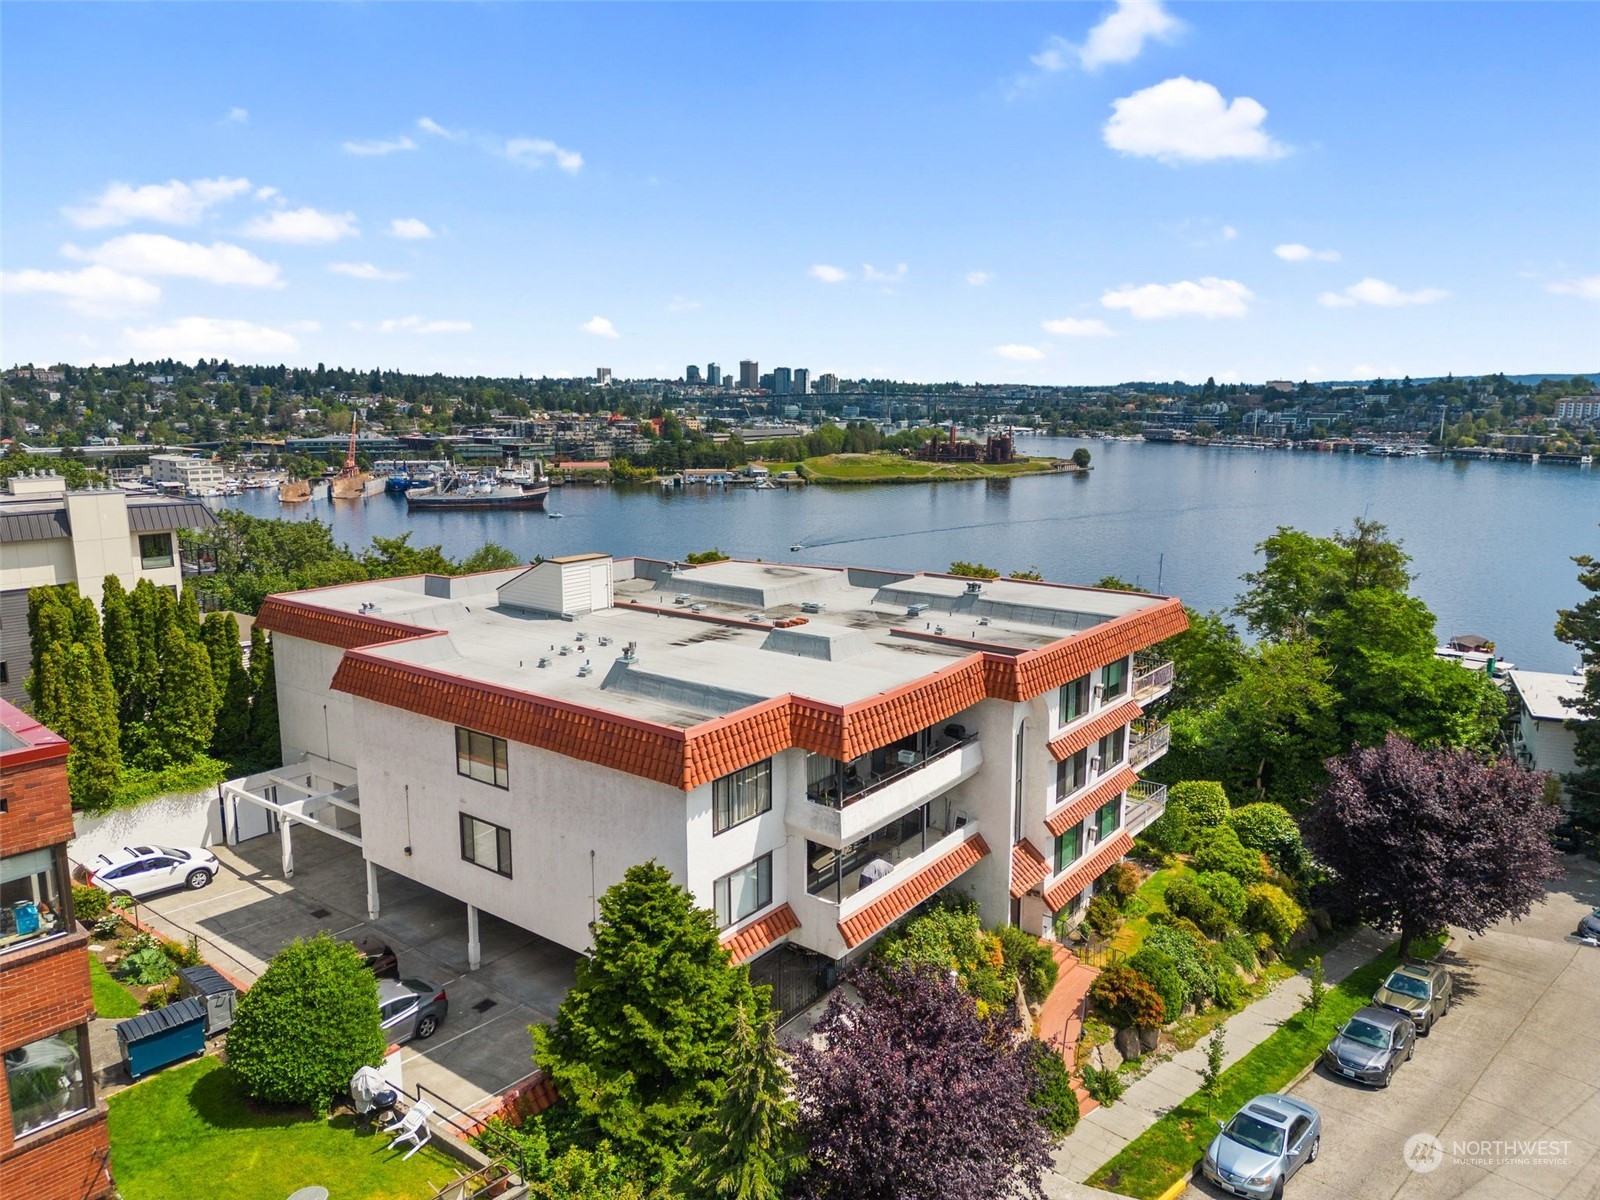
(1101, 1134)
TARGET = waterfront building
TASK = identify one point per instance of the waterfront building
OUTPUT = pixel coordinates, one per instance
(1580, 408)
(51, 535)
(801, 383)
(749, 374)
(53, 1143)
(713, 375)
(813, 751)
(1542, 703)
(193, 476)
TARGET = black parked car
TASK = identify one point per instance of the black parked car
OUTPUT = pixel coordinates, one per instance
(380, 959)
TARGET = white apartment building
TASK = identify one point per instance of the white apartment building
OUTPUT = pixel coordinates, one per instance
(813, 751)
(1544, 703)
(196, 476)
(50, 535)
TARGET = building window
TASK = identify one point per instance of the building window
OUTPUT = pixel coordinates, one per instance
(155, 550)
(1074, 700)
(741, 796)
(1072, 773)
(46, 1081)
(1113, 680)
(1107, 817)
(1069, 846)
(739, 893)
(481, 757)
(487, 845)
(1110, 749)
(30, 897)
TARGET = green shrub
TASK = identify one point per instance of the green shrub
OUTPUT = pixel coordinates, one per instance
(1167, 835)
(146, 967)
(1120, 881)
(1226, 891)
(185, 953)
(1191, 954)
(1161, 972)
(1053, 1094)
(1185, 899)
(1263, 946)
(89, 903)
(162, 996)
(1103, 916)
(1126, 999)
(1221, 850)
(106, 925)
(1238, 948)
(1030, 960)
(307, 1025)
(950, 936)
(1230, 988)
(1204, 806)
(1105, 1086)
(1269, 828)
(1272, 912)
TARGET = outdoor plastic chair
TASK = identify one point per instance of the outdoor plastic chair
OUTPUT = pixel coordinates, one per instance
(412, 1128)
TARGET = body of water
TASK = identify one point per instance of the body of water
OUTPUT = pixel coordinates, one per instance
(1490, 543)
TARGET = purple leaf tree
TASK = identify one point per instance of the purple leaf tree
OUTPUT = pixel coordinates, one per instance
(911, 1095)
(1420, 839)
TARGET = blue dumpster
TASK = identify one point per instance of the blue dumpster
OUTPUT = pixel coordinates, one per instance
(152, 1040)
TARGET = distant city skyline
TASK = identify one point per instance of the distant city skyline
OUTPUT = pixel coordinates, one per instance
(1036, 194)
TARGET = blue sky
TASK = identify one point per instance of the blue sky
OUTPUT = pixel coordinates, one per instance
(1070, 193)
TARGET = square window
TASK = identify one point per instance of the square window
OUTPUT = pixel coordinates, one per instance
(482, 757)
(486, 844)
(155, 550)
(741, 796)
(46, 1081)
(741, 893)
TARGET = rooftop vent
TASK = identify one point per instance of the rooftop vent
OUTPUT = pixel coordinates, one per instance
(566, 650)
(697, 608)
(585, 671)
(983, 620)
(582, 636)
(544, 662)
(752, 616)
(813, 606)
(938, 629)
(681, 598)
(916, 610)
(603, 640)
(974, 587)
(630, 654)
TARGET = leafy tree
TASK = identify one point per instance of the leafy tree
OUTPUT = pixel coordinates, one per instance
(1272, 911)
(701, 557)
(1420, 839)
(973, 570)
(307, 1025)
(751, 1147)
(1221, 850)
(1579, 626)
(49, 626)
(1305, 578)
(641, 1044)
(1211, 1073)
(265, 747)
(1318, 988)
(219, 634)
(1080, 458)
(1270, 829)
(1114, 583)
(122, 649)
(489, 557)
(87, 717)
(186, 708)
(1203, 805)
(389, 557)
(1126, 999)
(1206, 659)
(911, 1095)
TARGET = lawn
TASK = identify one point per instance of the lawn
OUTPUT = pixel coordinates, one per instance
(1151, 897)
(111, 999)
(892, 468)
(1167, 1151)
(188, 1131)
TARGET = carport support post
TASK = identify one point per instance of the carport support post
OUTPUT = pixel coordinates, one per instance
(372, 890)
(288, 848)
(474, 950)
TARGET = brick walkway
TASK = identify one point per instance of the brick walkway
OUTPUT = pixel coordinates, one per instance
(1060, 1021)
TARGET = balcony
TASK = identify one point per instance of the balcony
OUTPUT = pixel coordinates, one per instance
(1145, 802)
(1151, 680)
(1148, 741)
(837, 821)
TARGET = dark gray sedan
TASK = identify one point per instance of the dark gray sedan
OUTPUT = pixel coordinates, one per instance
(410, 1008)
(1371, 1045)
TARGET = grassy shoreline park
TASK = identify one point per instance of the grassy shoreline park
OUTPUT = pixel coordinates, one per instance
(892, 468)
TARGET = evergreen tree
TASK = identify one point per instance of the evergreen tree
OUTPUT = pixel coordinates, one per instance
(88, 720)
(186, 706)
(188, 614)
(49, 627)
(219, 634)
(1580, 626)
(751, 1148)
(265, 748)
(122, 649)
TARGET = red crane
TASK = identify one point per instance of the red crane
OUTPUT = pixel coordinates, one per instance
(350, 455)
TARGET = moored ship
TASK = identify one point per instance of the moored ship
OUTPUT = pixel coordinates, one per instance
(469, 494)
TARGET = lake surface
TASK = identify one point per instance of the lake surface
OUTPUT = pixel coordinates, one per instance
(1491, 543)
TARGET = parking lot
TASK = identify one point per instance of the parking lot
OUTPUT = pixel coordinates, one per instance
(250, 911)
(1517, 1060)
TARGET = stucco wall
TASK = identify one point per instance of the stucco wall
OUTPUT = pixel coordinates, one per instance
(312, 718)
(185, 819)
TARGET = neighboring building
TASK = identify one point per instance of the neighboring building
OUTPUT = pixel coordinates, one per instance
(1584, 408)
(713, 375)
(1281, 385)
(691, 374)
(813, 751)
(602, 375)
(53, 1143)
(782, 381)
(49, 535)
(801, 385)
(1544, 703)
(193, 476)
(749, 374)
(828, 384)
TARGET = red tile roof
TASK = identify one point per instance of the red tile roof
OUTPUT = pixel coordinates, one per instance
(1090, 732)
(1028, 868)
(901, 899)
(1060, 893)
(1038, 671)
(332, 628)
(1074, 811)
(748, 941)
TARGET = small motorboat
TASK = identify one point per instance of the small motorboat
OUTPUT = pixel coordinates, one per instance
(796, 548)
(555, 516)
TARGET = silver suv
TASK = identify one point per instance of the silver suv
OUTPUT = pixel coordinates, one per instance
(1421, 991)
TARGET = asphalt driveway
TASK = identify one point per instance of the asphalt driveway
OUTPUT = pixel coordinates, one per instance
(1516, 1061)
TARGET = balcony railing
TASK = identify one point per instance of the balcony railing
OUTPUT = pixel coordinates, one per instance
(1148, 742)
(827, 792)
(1151, 679)
(1146, 802)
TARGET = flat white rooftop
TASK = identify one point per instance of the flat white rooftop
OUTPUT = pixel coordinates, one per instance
(1548, 696)
(704, 638)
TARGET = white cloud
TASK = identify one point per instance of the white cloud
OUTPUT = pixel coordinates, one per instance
(420, 325)
(366, 270)
(600, 327)
(409, 229)
(158, 254)
(1187, 120)
(1210, 297)
(1118, 38)
(536, 152)
(980, 278)
(1379, 294)
(429, 125)
(1295, 252)
(682, 304)
(1081, 327)
(238, 116)
(1587, 288)
(378, 146)
(171, 203)
(871, 274)
(828, 274)
(1019, 353)
(94, 291)
(302, 226)
(210, 337)
(266, 193)
(1229, 233)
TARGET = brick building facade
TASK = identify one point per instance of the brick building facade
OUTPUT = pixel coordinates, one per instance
(53, 1143)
